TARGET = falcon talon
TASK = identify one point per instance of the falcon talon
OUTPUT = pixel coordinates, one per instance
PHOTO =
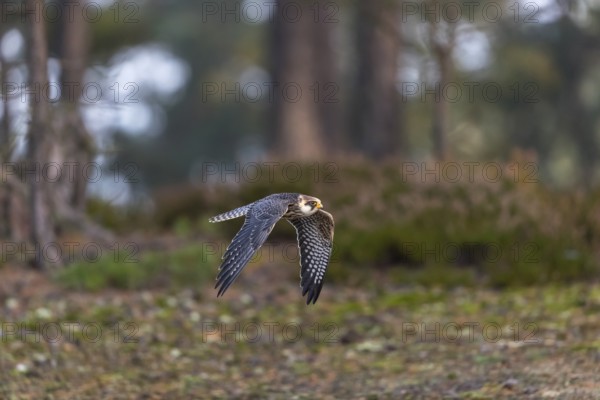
(314, 228)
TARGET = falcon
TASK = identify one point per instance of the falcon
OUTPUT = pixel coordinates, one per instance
(314, 229)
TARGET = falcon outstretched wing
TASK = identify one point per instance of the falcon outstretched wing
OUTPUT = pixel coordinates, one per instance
(315, 241)
(260, 220)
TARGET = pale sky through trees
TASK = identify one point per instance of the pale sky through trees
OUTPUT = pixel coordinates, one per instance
(141, 82)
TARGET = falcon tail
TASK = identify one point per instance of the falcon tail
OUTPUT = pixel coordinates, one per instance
(238, 212)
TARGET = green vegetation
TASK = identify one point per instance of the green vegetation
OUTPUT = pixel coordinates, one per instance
(357, 342)
(187, 267)
(163, 328)
(497, 232)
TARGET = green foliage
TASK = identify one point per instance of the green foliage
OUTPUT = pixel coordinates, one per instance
(173, 203)
(187, 267)
(500, 232)
(115, 218)
(471, 231)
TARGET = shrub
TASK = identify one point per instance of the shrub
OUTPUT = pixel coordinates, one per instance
(511, 230)
(187, 267)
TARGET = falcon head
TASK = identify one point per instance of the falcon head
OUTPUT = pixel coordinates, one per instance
(309, 205)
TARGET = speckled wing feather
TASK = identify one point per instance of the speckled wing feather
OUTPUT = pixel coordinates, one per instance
(315, 241)
(238, 212)
(260, 220)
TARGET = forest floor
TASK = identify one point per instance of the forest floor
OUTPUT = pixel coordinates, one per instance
(378, 341)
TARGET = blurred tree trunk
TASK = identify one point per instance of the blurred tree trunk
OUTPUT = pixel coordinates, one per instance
(5, 127)
(298, 128)
(441, 38)
(7, 211)
(378, 114)
(40, 134)
(328, 96)
(77, 144)
(75, 147)
(577, 48)
(55, 203)
(580, 123)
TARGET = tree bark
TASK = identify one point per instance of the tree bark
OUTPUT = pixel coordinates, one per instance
(75, 148)
(378, 115)
(579, 120)
(39, 135)
(14, 213)
(297, 129)
(13, 221)
(441, 39)
(328, 95)
(77, 144)
(5, 127)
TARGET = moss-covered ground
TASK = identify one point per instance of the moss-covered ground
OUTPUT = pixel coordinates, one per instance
(378, 339)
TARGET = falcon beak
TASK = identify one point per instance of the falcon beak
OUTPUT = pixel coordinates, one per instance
(319, 205)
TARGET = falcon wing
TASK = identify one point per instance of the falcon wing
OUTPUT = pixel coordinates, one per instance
(260, 220)
(315, 241)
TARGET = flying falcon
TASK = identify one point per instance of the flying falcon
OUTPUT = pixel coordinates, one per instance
(314, 228)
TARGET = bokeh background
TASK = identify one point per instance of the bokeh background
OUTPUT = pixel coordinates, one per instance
(455, 143)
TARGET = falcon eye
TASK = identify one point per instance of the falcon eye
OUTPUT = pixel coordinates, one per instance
(312, 203)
